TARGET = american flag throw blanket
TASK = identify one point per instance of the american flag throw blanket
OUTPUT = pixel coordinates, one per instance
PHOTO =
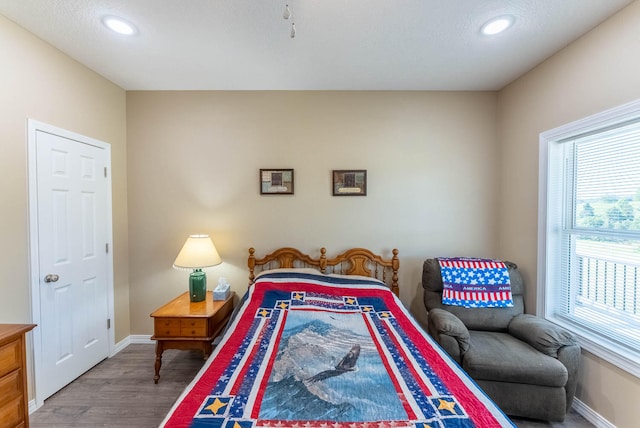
(475, 283)
(325, 351)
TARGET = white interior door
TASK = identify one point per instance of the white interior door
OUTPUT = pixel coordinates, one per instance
(73, 236)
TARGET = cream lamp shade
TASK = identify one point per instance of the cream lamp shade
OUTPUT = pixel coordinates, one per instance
(198, 252)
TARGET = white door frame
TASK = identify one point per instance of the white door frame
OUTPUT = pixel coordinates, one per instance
(34, 264)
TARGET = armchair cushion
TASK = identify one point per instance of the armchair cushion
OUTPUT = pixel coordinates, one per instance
(501, 357)
(543, 335)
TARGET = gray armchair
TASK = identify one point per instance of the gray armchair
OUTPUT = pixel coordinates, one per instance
(527, 365)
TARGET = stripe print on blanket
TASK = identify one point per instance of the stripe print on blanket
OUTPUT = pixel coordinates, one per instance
(317, 351)
(475, 283)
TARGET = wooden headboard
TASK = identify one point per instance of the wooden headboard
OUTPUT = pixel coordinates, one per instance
(356, 261)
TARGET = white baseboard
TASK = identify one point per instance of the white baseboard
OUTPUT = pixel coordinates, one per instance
(591, 415)
(144, 339)
(32, 406)
(120, 346)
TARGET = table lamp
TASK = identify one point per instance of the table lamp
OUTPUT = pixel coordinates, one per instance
(197, 253)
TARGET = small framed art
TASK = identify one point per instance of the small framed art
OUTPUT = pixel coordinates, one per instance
(276, 181)
(349, 182)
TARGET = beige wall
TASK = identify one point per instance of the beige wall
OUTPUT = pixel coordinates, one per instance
(40, 82)
(193, 161)
(599, 71)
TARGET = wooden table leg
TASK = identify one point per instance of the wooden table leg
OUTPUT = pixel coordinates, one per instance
(207, 349)
(159, 350)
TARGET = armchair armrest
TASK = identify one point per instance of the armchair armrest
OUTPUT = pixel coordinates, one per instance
(570, 357)
(543, 335)
(449, 332)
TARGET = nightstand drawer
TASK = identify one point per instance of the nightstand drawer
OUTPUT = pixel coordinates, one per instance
(10, 358)
(167, 327)
(191, 327)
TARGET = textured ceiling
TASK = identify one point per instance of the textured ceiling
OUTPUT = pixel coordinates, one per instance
(339, 44)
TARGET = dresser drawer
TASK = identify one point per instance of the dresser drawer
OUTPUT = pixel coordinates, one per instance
(193, 327)
(166, 327)
(10, 357)
(13, 413)
(10, 387)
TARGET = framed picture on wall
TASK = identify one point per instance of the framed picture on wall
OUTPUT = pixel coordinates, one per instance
(349, 182)
(276, 181)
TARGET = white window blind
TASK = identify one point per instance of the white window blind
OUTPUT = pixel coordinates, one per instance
(590, 267)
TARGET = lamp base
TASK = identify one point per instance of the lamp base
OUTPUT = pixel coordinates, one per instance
(197, 286)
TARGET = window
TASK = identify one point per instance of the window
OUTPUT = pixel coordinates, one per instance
(589, 232)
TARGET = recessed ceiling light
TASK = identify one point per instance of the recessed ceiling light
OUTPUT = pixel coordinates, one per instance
(119, 25)
(497, 25)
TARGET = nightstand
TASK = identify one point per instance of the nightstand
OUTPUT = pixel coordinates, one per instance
(182, 324)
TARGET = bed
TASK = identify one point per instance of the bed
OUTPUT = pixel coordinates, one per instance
(326, 342)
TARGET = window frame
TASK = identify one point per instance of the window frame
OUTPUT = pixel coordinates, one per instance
(550, 199)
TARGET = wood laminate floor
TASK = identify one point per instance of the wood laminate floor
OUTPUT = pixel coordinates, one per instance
(119, 392)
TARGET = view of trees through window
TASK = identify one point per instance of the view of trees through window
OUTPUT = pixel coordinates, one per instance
(610, 212)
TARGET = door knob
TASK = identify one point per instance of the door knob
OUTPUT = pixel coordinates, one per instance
(51, 278)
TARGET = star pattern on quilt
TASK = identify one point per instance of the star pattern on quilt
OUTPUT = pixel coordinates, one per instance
(215, 406)
(282, 304)
(385, 315)
(447, 406)
(264, 313)
(298, 296)
(350, 301)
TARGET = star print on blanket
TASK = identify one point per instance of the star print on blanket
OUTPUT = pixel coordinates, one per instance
(475, 283)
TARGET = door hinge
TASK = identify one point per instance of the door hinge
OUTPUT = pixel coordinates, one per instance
(105, 172)
(108, 323)
(106, 248)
